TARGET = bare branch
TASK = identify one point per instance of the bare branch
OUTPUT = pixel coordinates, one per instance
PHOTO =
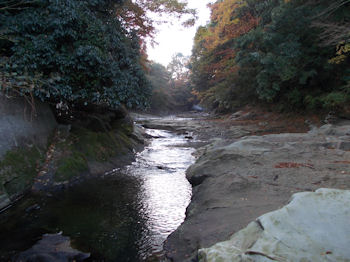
(333, 33)
(15, 4)
(332, 8)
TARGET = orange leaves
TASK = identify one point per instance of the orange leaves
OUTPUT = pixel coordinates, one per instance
(226, 24)
(214, 53)
(134, 17)
(293, 165)
(142, 15)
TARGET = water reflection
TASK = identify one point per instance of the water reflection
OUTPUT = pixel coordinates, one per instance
(164, 192)
(124, 217)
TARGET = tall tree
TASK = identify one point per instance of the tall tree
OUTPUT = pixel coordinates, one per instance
(178, 66)
(213, 56)
(275, 51)
(78, 51)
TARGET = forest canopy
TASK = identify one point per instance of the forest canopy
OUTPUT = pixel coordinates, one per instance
(292, 53)
(79, 51)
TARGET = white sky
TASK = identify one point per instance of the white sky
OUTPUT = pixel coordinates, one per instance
(174, 38)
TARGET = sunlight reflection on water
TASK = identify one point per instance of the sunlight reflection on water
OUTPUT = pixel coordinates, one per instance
(165, 192)
(124, 216)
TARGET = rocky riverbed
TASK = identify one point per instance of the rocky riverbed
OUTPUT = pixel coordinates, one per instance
(240, 175)
(248, 163)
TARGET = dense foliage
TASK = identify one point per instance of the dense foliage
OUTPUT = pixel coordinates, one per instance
(276, 51)
(77, 51)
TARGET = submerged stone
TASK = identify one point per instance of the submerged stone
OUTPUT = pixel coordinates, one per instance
(314, 226)
(52, 248)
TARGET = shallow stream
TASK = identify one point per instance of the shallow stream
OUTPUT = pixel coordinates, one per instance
(124, 216)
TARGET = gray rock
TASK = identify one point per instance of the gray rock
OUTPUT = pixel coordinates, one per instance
(52, 248)
(197, 108)
(345, 145)
(234, 183)
(312, 227)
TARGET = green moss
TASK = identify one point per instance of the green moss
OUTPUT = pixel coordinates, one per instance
(70, 166)
(123, 126)
(96, 145)
(18, 169)
(101, 146)
(84, 145)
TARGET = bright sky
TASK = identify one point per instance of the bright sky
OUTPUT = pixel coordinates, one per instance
(174, 38)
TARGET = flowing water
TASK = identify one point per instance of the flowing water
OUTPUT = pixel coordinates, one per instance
(125, 216)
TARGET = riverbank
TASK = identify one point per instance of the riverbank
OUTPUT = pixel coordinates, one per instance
(240, 176)
(81, 153)
(44, 150)
(248, 163)
(124, 215)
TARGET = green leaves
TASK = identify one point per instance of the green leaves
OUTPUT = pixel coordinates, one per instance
(80, 49)
(282, 59)
(287, 55)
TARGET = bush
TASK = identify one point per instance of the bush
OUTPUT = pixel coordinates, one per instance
(79, 49)
(334, 100)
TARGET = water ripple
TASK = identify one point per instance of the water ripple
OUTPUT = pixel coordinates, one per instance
(165, 192)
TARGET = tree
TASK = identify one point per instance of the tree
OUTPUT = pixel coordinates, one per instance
(135, 15)
(334, 21)
(275, 51)
(213, 56)
(178, 66)
(170, 92)
(81, 52)
(290, 65)
(161, 98)
(78, 51)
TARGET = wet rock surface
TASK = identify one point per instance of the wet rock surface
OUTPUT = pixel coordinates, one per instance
(235, 180)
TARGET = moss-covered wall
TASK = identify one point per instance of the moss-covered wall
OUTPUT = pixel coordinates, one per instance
(18, 169)
(74, 151)
(25, 129)
(83, 147)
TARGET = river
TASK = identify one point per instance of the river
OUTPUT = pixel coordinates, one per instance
(124, 216)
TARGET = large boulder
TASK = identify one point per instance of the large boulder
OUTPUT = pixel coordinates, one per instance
(314, 226)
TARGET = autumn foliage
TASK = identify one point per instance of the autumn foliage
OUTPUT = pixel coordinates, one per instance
(290, 53)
